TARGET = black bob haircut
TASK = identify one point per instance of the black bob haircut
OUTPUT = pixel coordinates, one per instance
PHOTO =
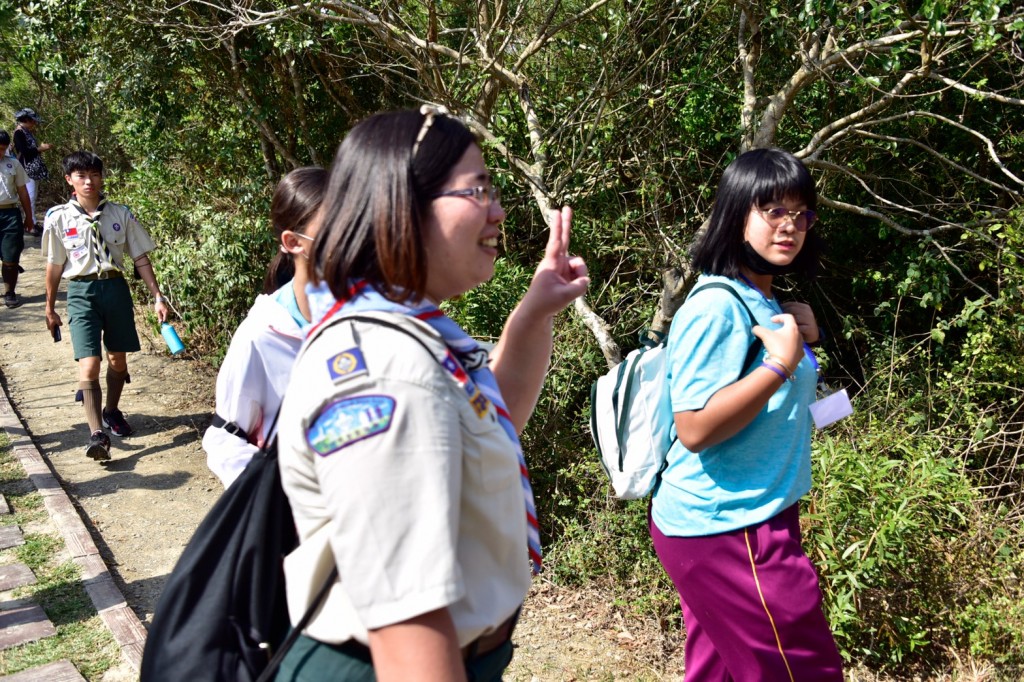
(5, 138)
(82, 161)
(753, 179)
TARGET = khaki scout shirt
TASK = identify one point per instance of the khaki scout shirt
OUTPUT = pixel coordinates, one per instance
(392, 474)
(67, 239)
(12, 176)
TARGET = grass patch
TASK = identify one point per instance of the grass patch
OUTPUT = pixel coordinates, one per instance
(82, 637)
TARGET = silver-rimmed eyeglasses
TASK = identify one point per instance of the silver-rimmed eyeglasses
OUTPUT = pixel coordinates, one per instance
(802, 220)
(483, 195)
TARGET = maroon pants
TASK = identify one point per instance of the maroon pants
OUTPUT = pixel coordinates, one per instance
(751, 604)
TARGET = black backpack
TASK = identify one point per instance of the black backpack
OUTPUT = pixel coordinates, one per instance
(223, 613)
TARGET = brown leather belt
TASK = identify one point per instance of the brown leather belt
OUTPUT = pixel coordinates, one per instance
(484, 644)
(106, 274)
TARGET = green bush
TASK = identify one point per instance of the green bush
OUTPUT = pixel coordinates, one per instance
(212, 253)
(903, 540)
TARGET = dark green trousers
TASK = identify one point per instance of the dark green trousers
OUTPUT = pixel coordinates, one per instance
(313, 661)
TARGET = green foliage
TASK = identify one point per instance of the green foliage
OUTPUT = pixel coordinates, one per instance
(913, 559)
(212, 254)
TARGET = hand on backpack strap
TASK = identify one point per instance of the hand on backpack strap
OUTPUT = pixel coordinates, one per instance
(784, 343)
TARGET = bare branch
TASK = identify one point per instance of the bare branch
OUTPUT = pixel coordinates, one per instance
(970, 226)
(599, 328)
(246, 102)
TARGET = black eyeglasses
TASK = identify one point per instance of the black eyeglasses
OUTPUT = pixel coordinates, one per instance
(802, 220)
(484, 195)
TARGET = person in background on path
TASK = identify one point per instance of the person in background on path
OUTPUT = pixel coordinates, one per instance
(725, 516)
(13, 192)
(398, 439)
(84, 242)
(28, 151)
(255, 371)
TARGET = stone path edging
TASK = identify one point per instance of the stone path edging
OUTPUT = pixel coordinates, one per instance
(110, 604)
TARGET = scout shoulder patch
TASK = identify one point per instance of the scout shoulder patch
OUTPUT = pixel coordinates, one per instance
(346, 364)
(348, 421)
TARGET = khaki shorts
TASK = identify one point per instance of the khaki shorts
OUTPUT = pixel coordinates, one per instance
(101, 309)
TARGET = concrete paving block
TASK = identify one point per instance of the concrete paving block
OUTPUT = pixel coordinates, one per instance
(15, 575)
(24, 624)
(92, 566)
(132, 653)
(10, 536)
(104, 593)
(124, 625)
(58, 671)
(4, 507)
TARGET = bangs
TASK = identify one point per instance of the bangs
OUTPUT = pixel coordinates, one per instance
(775, 181)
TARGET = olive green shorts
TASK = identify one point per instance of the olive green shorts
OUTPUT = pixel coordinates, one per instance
(101, 309)
(12, 235)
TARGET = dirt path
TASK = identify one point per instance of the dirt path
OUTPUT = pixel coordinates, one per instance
(143, 505)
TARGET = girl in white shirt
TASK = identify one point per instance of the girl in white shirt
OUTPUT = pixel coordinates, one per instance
(255, 370)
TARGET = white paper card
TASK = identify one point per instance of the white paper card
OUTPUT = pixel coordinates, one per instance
(831, 409)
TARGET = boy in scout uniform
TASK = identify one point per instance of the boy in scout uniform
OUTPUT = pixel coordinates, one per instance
(12, 225)
(84, 241)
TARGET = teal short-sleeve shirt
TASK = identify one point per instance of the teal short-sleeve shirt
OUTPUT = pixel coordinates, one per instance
(764, 468)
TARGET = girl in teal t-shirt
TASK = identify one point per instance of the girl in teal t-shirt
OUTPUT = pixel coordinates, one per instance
(725, 517)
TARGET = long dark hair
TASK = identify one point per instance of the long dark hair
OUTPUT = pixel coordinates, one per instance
(296, 200)
(755, 178)
(376, 198)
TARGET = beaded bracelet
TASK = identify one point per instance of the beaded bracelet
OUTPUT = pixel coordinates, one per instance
(775, 369)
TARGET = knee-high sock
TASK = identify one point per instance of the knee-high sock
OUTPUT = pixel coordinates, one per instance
(115, 382)
(92, 395)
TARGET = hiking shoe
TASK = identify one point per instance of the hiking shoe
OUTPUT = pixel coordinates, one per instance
(11, 300)
(115, 421)
(99, 447)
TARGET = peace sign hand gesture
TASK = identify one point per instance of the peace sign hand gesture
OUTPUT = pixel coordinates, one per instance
(560, 278)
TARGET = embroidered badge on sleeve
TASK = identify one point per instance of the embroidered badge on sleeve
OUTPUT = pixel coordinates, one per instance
(346, 364)
(481, 405)
(349, 421)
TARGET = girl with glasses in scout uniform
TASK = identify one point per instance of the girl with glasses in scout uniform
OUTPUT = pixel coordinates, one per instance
(725, 516)
(398, 442)
(254, 374)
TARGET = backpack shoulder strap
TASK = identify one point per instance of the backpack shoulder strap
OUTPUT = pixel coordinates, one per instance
(756, 346)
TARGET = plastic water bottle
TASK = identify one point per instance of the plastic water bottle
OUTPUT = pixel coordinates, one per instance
(174, 343)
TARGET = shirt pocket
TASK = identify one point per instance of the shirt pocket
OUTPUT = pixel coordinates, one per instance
(489, 453)
(75, 239)
(114, 234)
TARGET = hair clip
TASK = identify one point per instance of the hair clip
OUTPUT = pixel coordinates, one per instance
(429, 111)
